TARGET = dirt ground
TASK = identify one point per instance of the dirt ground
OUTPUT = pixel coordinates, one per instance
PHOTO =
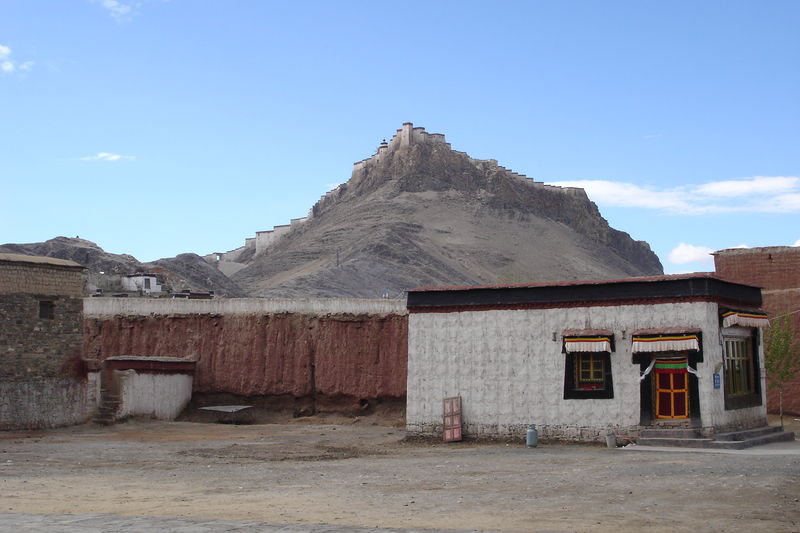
(355, 472)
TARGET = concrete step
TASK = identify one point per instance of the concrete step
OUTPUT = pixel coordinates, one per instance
(735, 440)
(675, 442)
(747, 433)
(774, 436)
(669, 433)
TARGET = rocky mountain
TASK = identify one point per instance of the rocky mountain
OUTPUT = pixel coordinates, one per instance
(83, 252)
(419, 213)
(194, 272)
(186, 271)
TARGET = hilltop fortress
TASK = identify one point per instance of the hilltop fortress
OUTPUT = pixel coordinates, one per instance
(405, 137)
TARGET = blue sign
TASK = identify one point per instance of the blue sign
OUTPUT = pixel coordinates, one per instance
(716, 381)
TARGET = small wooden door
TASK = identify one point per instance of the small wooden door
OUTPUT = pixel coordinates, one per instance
(671, 389)
(452, 419)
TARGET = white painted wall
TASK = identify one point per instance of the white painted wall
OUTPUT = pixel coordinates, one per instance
(509, 370)
(137, 283)
(96, 307)
(153, 395)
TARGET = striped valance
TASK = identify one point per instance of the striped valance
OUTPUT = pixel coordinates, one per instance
(670, 366)
(748, 319)
(588, 340)
(665, 342)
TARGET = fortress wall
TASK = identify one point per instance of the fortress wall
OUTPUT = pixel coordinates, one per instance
(253, 347)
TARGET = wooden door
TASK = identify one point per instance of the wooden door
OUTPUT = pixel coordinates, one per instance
(671, 389)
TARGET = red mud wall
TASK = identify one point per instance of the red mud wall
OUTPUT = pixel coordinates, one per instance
(777, 270)
(362, 356)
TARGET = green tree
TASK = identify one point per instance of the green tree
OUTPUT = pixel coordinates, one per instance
(782, 355)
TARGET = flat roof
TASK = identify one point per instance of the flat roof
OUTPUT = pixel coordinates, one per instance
(640, 279)
(698, 286)
(758, 250)
(38, 259)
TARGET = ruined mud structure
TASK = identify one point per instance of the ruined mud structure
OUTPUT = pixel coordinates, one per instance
(307, 355)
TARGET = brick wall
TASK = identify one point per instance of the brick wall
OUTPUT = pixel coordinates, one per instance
(777, 270)
(773, 267)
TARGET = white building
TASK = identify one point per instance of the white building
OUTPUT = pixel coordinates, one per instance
(581, 359)
(143, 282)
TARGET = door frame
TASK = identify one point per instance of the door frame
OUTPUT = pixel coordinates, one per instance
(647, 387)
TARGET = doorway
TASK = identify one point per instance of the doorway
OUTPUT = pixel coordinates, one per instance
(671, 389)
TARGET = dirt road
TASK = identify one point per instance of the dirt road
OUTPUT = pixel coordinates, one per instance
(357, 474)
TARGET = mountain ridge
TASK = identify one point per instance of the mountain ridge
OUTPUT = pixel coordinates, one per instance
(388, 229)
(416, 213)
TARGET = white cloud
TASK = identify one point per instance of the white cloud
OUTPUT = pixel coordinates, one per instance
(106, 156)
(784, 203)
(622, 194)
(688, 253)
(797, 243)
(118, 9)
(769, 185)
(759, 194)
(8, 66)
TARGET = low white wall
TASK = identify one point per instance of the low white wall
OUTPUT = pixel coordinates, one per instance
(95, 307)
(153, 395)
(509, 369)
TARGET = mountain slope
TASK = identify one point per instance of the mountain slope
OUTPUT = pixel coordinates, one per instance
(186, 271)
(419, 213)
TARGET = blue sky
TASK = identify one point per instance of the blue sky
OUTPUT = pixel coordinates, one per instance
(157, 127)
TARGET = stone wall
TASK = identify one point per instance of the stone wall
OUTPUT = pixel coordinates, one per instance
(41, 278)
(44, 382)
(48, 402)
(777, 270)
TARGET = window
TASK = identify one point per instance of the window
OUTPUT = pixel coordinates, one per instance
(588, 376)
(146, 283)
(742, 387)
(590, 371)
(47, 309)
(738, 366)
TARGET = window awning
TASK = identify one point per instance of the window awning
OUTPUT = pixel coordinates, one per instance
(748, 319)
(667, 340)
(587, 340)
